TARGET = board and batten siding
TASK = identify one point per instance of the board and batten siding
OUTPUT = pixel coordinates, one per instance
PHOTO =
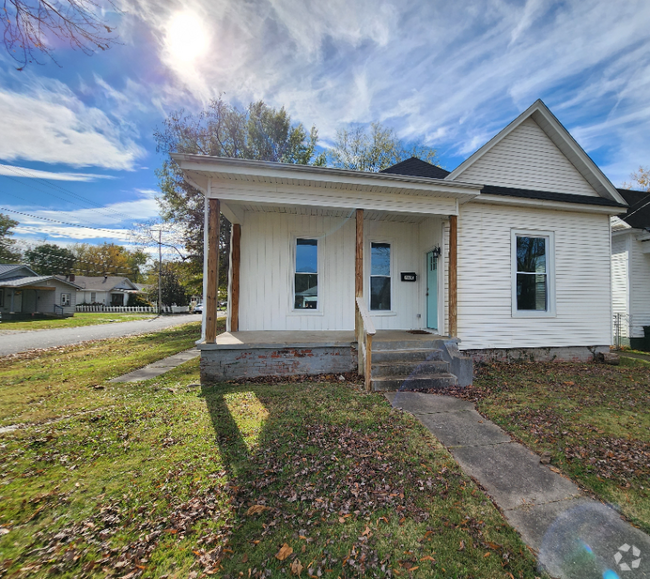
(620, 280)
(639, 286)
(528, 159)
(582, 279)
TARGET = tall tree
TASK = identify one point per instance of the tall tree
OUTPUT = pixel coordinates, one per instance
(173, 291)
(8, 250)
(29, 26)
(109, 259)
(223, 130)
(50, 259)
(641, 179)
(373, 149)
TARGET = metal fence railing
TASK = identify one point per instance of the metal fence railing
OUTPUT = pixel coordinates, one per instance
(621, 327)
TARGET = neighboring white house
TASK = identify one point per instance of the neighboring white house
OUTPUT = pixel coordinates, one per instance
(106, 290)
(23, 291)
(631, 268)
(507, 255)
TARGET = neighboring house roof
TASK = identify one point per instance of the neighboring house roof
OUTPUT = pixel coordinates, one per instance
(549, 196)
(6, 269)
(638, 214)
(104, 283)
(417, 168)
(32, 280)
(562, 139)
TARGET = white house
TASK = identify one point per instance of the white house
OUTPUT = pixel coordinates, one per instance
(631, 269)
(24, 292)
(105, 290)
(419, 269)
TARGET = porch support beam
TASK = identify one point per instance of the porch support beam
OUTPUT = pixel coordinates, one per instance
(453, 275)
(358, 262)
(235, 257)
(212, 294)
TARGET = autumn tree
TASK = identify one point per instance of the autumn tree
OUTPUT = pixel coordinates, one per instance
(109, 259)
(223, 130)
(8, 250)
(641, 179)
(374, 148)
(50, 259)
(30, 26)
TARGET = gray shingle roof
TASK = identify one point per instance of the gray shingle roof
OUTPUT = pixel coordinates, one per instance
(415, 167)
(30, 280)
(98, 283)
(638, 215)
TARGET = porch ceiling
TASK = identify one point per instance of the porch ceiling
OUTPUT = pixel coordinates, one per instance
(235, 207)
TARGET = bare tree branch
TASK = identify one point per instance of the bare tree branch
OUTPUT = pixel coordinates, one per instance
(31, 25)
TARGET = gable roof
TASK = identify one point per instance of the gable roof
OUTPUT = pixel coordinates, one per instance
(561, 138)
(638, 214)
(416, 168)
(32, 280)
(6, 269)
(101, 283)
(549, 196)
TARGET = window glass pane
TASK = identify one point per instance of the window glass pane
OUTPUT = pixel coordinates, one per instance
(380, 259)
(380, 293)
(306, 291)
(307, 255)
(531, 254)
(531, 292)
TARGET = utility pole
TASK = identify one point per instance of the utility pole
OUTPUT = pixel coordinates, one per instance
(159, 271)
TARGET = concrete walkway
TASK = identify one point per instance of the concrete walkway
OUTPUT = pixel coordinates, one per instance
(159, 367)
(623, 354)
(574, 537)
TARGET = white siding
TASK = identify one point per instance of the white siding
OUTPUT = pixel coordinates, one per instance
(620, 279)
(582, 279)
(639, 287)
(266, 274)
(528, 159)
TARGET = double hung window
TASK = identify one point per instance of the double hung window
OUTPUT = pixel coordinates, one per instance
(532, 274)
(306, 276)
(380, 279)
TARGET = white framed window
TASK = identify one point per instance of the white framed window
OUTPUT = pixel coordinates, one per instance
(93, 297)
(66, 299)
(533, 273)
(305, 284)
(2, 298)
(380, 276)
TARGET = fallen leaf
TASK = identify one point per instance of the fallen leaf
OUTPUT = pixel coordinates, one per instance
(256, 510)
(296, 567)
(284, 552)
(462, 546)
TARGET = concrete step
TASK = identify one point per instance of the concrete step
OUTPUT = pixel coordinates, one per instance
(415, 356)
(388, 345)
(403, 369)
(422, 382)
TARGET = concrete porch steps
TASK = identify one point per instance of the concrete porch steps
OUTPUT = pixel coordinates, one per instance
(414, 364)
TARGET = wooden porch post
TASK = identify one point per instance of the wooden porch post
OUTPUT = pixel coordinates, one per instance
(453, 275)
(235, 256)
(213, 272)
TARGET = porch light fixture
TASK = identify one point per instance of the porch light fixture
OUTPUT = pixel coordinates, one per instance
(436, 251)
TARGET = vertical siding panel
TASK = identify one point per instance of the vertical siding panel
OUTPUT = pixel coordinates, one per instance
(620, 279)
(639, 285)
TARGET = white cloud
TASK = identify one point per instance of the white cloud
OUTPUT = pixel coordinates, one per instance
(14, 171)
(47, 122)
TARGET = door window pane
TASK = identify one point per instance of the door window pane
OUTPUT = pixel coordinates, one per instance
(380, 276)
(306, 276)
(532, 275)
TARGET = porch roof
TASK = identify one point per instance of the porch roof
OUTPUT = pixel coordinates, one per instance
(248, 181)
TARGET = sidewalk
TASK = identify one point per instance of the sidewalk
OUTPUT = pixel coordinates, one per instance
(160, 367)
(574, 537)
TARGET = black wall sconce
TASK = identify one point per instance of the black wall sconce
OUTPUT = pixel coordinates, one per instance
(436, 251)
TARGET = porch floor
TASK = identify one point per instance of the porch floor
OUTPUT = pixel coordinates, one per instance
(308, 339)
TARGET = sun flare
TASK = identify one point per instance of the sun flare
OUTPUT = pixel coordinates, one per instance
(187, 38)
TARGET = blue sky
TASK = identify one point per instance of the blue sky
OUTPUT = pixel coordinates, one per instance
(76, 140)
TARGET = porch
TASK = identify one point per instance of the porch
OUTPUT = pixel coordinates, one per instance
(398, 359)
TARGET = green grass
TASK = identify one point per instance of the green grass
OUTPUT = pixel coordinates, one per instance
(593, 419)
(168, 478)
(76, 321)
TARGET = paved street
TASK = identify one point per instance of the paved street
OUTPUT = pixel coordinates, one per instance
(23, 341)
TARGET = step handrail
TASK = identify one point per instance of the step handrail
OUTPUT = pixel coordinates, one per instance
(365, 331)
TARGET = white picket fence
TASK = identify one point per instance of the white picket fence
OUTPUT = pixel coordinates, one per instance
(118, 309)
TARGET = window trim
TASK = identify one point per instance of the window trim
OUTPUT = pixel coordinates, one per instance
(294, 246)
(69, 299)
(550, 312)
(2, 298)
(372, 312)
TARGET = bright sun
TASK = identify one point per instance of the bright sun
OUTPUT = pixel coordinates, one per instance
(186, 39)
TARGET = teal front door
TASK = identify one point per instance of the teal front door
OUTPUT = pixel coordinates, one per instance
(432, 291)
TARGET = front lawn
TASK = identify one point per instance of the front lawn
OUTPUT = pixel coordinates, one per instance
(166, 478)
(76, 321)
(593, 419)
